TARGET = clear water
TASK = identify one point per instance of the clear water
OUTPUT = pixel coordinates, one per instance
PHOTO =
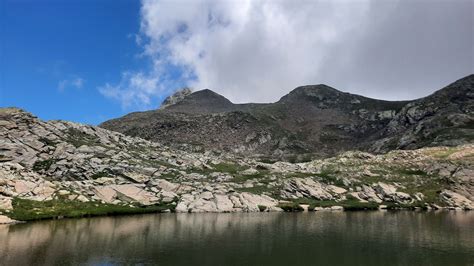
(321, 238)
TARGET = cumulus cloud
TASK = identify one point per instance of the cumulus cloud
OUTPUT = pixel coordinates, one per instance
(77, 83)
(248, 50)
(258, 50)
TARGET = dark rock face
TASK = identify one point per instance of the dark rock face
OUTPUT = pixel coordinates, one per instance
(310, 121)
(204, 101)
(445, 118)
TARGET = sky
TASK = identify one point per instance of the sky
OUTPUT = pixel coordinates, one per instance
(89, 61)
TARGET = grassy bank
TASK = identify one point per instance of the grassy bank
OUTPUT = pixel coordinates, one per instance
(29, 210)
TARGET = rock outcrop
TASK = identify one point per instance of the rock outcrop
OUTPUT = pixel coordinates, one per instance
(176, 97)
(59, 161)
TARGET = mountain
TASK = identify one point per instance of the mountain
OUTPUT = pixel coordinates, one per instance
(445, 118)
(314, 121)
(54, 169)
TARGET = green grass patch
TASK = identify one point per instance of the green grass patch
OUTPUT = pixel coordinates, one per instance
(444, 154)
(406, 171)
(230, 168)
(256, 190)
(240, 178)
(104, 173)
(47, 141)
(79, 138)
(353, 204)
(299, 175)
(43, 165)
(28, 210)
(172, 175)
(328, 176)
(290, 207)
(268, 160)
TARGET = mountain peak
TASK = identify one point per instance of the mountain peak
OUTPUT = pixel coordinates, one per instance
(316, 119)
(176, 97)
(319, 92)
(203, 101)
(315, 89)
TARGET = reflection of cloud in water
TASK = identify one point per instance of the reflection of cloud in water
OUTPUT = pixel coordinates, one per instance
(156, 237)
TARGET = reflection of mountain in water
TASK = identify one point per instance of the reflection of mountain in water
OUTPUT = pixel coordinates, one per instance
(364, 237)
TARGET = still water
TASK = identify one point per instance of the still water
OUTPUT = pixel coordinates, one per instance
(320, 238)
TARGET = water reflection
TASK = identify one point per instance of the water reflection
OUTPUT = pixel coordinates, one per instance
(369, 238)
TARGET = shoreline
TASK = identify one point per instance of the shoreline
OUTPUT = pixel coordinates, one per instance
(7, 220)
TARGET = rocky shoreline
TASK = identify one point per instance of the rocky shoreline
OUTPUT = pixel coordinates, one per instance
(63, 169)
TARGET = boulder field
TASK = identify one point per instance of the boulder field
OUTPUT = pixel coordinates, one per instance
(51, 169)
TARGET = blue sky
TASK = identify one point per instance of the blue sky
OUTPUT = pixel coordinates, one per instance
(92, 60)
(55, 54)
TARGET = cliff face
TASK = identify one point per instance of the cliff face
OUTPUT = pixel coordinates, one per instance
(310, 122)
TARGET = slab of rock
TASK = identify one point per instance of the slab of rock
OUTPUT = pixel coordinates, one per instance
(43, 191)
(250, 171)
(208, 202)
(207, 195)
(456, 200)
(167, 196)
(336, 190)
(305, 188)
(384, 189)
(367, 193)
(5, 203)
(165, 185)
(223, 203)
(202, 205)
(133, 193)
(105, 193)
(23, 187)
(137, 177)
(250, 202)
(183, 204)
(6, 220)
(389, 193)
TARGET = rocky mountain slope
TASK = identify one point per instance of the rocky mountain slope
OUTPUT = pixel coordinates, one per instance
(310, 122)
(64, 169)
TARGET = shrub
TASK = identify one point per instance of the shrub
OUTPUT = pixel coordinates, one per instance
(290, 207)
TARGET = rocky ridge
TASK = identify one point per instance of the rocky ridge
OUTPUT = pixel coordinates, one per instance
(59, 162)
(310, 122)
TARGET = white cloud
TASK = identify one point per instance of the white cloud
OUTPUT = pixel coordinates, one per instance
(258, 50)
(247, 50)
(77, 83)
(134, 89)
